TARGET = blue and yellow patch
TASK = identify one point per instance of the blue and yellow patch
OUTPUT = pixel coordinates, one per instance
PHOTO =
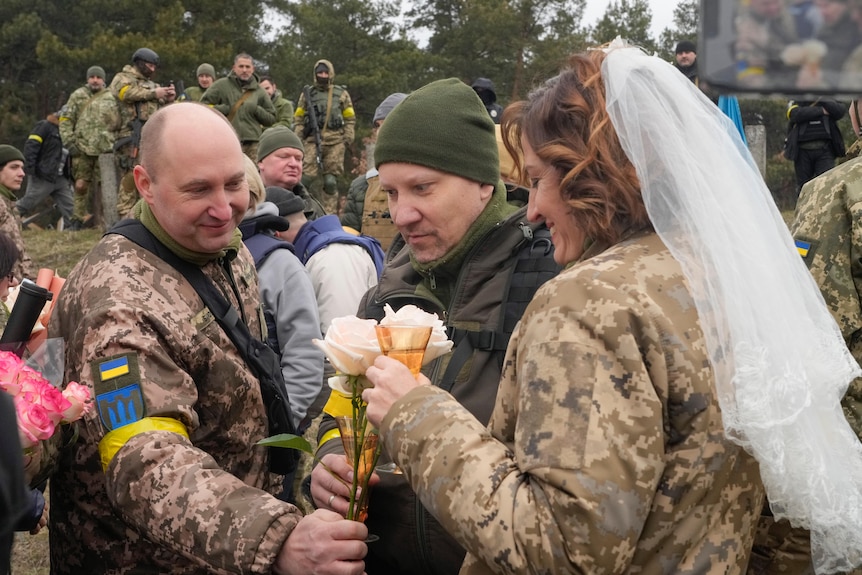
(117, 383)
(803, 247)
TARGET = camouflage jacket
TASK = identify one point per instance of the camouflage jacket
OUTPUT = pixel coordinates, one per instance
(336, 117)
(605, 452)
(183, 490)
(256, 111)
(10, 224)
(90, 121)
(828, 233)
(132, 89)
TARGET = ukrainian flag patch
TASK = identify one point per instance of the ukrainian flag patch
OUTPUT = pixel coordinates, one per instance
(113, 368)
(117, 383)
(803, 247)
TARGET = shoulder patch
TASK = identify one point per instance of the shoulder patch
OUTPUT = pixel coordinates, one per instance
(202, 319)
(117, 383)
(805, 247)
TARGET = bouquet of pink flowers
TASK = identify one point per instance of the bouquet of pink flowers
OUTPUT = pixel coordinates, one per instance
(40, 406)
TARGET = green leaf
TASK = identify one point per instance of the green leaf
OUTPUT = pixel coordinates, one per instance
(289, 441)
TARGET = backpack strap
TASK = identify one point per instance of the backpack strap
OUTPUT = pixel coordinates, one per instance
(259, 357)
(534, 266)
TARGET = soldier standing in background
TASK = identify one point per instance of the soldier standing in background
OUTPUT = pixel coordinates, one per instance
(139, 98)
(336, 121)
(206, 77)
(88, 126)
(245, 104)
(11, 178)
(46, 163)
(488, 94)
(367, 207)
(283, 106)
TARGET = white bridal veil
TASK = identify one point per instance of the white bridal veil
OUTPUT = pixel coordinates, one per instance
(780, 363)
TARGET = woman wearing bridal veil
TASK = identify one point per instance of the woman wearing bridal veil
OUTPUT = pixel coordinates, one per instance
(684, 354)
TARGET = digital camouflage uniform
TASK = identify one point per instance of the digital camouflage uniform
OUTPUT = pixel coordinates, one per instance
(130, 87)
(336, 120)
(827, 229)
(10, 224)
(608, 452)
(89, 122)
(185, 490)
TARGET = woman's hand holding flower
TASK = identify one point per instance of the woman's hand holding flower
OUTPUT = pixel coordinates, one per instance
(392, 380)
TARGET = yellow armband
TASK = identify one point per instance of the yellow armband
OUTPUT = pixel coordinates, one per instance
(114, 440)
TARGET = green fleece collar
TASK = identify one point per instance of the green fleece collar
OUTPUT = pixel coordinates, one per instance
(7, 193)
(142, 212)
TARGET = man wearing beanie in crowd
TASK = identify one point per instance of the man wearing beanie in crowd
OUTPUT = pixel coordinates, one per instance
(685, 59)
(245, 104)
(437, 159)
(87, 128)
(11, 178)
(280, 155)
(367, 208)
(206, 77)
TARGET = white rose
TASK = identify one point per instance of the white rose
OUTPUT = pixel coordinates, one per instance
(438, 344)
(350, 344)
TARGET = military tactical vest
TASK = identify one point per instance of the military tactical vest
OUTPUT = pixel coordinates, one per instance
(318, 100)
(376, 221)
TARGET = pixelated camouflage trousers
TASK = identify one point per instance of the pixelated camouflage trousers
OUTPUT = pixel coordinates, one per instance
(85, 170)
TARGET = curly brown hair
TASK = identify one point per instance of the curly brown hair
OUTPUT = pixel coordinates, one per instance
(567, 124)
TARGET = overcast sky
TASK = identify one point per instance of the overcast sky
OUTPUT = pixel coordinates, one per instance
(662, 13)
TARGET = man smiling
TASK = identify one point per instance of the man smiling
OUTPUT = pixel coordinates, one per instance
(165, 476)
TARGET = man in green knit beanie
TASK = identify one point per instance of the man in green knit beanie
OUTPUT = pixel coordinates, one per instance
(438, 160)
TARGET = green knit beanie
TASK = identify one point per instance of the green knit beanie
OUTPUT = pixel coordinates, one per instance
(9, 153)
(206, 69)
(95, 71)
(276, 138)
(443, 126)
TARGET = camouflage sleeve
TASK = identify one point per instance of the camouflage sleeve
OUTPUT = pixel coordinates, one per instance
(184, 496)
(827, 229)
(349, 115)
(127, 90)
(69, 118)
(299, 116)
(586, 432)
(10, 224)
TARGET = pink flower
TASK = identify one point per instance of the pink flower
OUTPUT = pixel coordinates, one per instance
(10, 366)
(34, 421)
(79, 397)
(39, 391)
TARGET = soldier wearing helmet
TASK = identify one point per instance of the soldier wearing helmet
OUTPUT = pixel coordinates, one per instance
(139, 97)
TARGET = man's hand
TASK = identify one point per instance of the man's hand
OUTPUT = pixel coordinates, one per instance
(166, 93)
(327, 491)
(323, 543)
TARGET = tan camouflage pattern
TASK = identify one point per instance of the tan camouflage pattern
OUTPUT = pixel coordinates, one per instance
(610, 454)
(333, 142)
(166, 504)
(130, 86)
(829, 216)
(10, 224)
(90, 121)
(376, 221)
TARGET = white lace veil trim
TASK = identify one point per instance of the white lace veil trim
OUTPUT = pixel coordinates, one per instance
(780, 363)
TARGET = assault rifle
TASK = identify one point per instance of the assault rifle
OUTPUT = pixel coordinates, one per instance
(315, 127)
(135, 138)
